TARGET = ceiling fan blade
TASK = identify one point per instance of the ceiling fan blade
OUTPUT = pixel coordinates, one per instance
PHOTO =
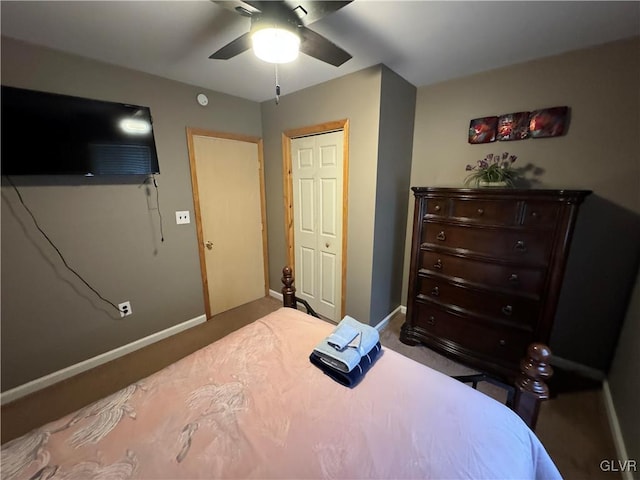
(239, 45)
(316, 46)
(312, 11)
(238, 6)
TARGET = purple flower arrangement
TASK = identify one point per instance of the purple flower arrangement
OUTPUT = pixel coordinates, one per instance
(493, 168)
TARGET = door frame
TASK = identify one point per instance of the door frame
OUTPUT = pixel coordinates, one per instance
(287, 182)
(192, 132)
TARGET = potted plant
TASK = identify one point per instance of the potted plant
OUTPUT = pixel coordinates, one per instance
(493, 170)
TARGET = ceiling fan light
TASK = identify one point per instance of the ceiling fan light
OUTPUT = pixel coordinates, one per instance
(275, 45)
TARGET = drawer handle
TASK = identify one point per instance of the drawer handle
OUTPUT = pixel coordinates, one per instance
(534, 214)
(502, 342)
(437, 208)
(432, 320)
(514, 278)
(438, 264)
(480, 211)
(435, 292)
(507, 310)
(441, 236)
(520, 246)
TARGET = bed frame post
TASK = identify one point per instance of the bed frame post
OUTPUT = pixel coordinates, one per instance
(288, 290)
(531, 389)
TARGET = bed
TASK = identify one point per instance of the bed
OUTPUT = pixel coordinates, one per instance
(251, 405)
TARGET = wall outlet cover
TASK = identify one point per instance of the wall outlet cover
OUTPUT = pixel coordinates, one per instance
(125, 308)
(183, 217)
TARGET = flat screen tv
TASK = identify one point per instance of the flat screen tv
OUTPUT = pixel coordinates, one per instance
(52, 134)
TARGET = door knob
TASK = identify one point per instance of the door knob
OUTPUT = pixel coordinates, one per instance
(209, 244)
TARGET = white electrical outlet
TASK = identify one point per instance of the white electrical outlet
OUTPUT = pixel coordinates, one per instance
(125, 308)
(183, 217)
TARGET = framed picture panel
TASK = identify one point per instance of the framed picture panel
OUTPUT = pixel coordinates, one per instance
(548, 122)
(513, 126)
(483, 130)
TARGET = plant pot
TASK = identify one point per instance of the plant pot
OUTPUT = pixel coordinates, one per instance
(484, 184)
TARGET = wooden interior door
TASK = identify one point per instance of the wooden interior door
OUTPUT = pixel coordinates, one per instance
(229, 185)
(317, 205)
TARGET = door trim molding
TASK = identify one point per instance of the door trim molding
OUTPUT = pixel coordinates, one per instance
(192, 132)
(287, 183)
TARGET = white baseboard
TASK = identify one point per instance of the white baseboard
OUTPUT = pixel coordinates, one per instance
(383, 323)
(403, 309)
(274, 294)
(55, 377)
(616, 432)
(379, 326)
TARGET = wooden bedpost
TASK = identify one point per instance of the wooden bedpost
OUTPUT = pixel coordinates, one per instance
(288, 290)
(531, 389)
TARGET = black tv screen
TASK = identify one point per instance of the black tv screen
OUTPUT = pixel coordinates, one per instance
(53, 134)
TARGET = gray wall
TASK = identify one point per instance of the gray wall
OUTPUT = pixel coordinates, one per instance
(108, 231)
(600, 152)
(357, 98)
(397, 113)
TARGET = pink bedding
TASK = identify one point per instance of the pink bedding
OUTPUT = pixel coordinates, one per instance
(251, 405)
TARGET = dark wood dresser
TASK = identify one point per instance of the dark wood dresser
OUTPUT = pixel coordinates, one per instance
(486, 271)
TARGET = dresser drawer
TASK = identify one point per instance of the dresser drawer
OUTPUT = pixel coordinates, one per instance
(540, 214)
(517, 279)
(489, 212)
(529, 246)
(436, 207)
(510, 308)
(493, 341)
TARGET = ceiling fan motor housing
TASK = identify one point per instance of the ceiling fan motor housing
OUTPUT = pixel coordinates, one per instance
(275, 40)
(283, 26)
(259, 22)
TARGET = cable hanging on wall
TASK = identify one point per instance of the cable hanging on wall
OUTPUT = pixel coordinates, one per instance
(155, 185)
(277, 87)
(64, 261)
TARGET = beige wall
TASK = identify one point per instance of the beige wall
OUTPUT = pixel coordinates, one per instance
(108, 231)
(355, 97)
(598, 84)
(600, 152)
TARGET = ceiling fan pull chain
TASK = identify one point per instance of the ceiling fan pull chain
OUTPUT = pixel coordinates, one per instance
(277, 86)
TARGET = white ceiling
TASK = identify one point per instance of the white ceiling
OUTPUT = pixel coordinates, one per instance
(424, 41)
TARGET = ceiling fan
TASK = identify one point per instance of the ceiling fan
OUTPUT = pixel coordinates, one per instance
(279, 30)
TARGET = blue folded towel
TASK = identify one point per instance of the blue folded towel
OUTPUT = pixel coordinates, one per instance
(369, 336)
(342, 336)
(345, 360)
(352, 378)
(348, 357)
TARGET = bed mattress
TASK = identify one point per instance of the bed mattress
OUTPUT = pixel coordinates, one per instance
(251, 405)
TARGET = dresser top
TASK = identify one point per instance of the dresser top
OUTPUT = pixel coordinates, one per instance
(497, 192)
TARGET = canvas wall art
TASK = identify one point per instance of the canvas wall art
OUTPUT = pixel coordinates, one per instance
(548, 122)
(483, 130)
(513, 126)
